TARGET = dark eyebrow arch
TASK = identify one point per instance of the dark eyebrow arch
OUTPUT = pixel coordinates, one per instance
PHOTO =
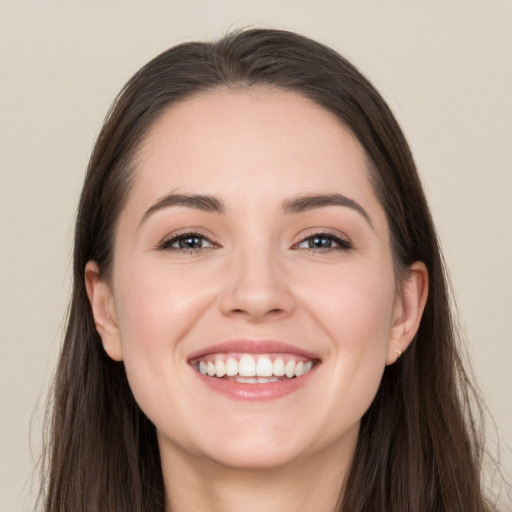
(196, 201)
(307, 202)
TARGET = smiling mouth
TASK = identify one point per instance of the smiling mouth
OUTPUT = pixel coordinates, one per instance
(253, 369)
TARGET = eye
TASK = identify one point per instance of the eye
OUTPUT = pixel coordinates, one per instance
(187, 242)
(324, 242)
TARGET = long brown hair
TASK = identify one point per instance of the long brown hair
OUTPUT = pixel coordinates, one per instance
(419, 448)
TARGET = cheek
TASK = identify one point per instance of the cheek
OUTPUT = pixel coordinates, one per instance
(156, 306)
(354, 310)
(354, 304)
(156, 309)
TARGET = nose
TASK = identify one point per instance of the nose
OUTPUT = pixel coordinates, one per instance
(257, 288)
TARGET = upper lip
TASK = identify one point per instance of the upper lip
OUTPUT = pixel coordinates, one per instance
(245, 346)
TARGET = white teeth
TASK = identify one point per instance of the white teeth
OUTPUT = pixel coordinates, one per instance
(247, 366)
(247, 380)
(279, 367)
(263, 380)
(299, 369)
(264, 367)
(210, 369)
(231, 367)
(256, 380)
(290, 369)
(220, 368)
(258, 369)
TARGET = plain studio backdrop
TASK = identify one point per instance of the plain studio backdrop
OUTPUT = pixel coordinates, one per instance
(445, 67)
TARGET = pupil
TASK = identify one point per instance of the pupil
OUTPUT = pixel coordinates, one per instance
(191, 242)
(318, 241)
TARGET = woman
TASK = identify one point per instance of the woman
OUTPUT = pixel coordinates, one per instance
(260, 317)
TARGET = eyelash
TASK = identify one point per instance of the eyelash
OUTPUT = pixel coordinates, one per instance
(342, 244)
(168, 243)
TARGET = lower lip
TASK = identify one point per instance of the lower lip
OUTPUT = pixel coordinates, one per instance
(252, 392)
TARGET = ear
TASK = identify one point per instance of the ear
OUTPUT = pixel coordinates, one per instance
(103, 310)
(408, 310)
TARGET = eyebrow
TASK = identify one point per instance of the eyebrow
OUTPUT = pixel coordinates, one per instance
(296, 204)
(307, 202)
(197, 201)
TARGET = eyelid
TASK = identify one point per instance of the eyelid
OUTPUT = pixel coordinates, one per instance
(343, 241)
(168, 240)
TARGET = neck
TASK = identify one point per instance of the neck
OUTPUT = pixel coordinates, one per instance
(311, 484)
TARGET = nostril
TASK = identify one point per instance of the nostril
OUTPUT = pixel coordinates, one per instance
(255, 314)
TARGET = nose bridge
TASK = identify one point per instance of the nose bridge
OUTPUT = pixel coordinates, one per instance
(256, 287)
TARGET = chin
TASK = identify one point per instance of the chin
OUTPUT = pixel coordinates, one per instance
(255, 456)
(258, 448)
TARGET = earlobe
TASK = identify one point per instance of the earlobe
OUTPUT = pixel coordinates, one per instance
(103, 309)
(408, 310)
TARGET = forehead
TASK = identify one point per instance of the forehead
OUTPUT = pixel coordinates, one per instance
(250, 145)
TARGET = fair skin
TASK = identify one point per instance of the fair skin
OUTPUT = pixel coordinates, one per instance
(261, 263)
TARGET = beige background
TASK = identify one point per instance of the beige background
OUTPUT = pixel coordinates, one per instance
(444, 66)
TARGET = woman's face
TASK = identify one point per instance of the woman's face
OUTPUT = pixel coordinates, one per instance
(251, 242)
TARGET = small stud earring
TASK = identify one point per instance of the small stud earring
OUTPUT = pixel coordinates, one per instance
(399, 352)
